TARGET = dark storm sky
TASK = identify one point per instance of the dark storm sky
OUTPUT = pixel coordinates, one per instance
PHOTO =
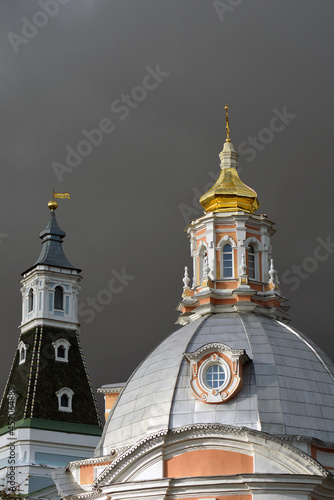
(129, 195)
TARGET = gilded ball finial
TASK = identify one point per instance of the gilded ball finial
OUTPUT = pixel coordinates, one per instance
(52, 205)
(227, 124)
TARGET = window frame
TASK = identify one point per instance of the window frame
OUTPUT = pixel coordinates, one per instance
(22, 347)
(30, 300)
(254, 267)
(223, 260)
(214, 360)
(66, 344)
(56, 298)
(65, 391)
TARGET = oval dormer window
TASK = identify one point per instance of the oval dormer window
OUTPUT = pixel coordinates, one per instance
(215, 376)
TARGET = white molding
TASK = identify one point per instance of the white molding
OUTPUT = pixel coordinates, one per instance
(25, 347)
(225, 240)
(69, 393)
(66, 345)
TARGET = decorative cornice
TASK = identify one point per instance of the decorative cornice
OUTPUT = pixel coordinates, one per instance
(205, 429)
(110, 390)
(196, 430)
(130, 455)
(217, 346)
(89, 461)
(309, 440)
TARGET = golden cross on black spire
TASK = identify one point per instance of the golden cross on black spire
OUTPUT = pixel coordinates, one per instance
(227, 125)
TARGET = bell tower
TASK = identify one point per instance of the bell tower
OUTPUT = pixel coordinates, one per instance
(48, 412)
(50, 288)
(230, 244)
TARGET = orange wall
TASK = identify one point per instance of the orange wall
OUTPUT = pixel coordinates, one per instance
(109, 401)
(208, 463)
(87, 473)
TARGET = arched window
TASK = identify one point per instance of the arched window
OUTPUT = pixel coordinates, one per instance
(61, 347)
(30, 300)
(61, 351)
(22, 348)
(227, 261)
(251, 262)
(65, 396)
(59, 298)
(64, 400)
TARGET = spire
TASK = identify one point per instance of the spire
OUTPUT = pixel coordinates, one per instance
(227, 125)
(52, 253)
(229, 193)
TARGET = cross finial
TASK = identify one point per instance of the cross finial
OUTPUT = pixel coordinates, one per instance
(227, 124)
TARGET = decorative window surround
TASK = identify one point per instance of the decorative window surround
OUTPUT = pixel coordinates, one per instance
(65, 396)
(61, 354)
(226, 382)
(22, 348)
(226, 240)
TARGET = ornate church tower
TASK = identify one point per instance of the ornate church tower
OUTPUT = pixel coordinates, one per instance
(48, 412)
(231, 250)
(236, 404)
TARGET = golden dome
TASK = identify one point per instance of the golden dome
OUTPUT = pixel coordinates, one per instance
(229, 193)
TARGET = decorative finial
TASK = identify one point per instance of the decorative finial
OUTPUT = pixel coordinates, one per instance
(227, 125)
(53, 204)
(243, 271)
(186, 279)
(243, 267)
(273, 274)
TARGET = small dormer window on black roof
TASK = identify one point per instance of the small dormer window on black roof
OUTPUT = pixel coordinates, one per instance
(59, 298)
(65, 396)
(61, 347)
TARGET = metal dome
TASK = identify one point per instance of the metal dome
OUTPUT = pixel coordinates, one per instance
(288, 385)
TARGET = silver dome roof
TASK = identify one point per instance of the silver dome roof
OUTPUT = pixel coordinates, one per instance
(288, 387)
